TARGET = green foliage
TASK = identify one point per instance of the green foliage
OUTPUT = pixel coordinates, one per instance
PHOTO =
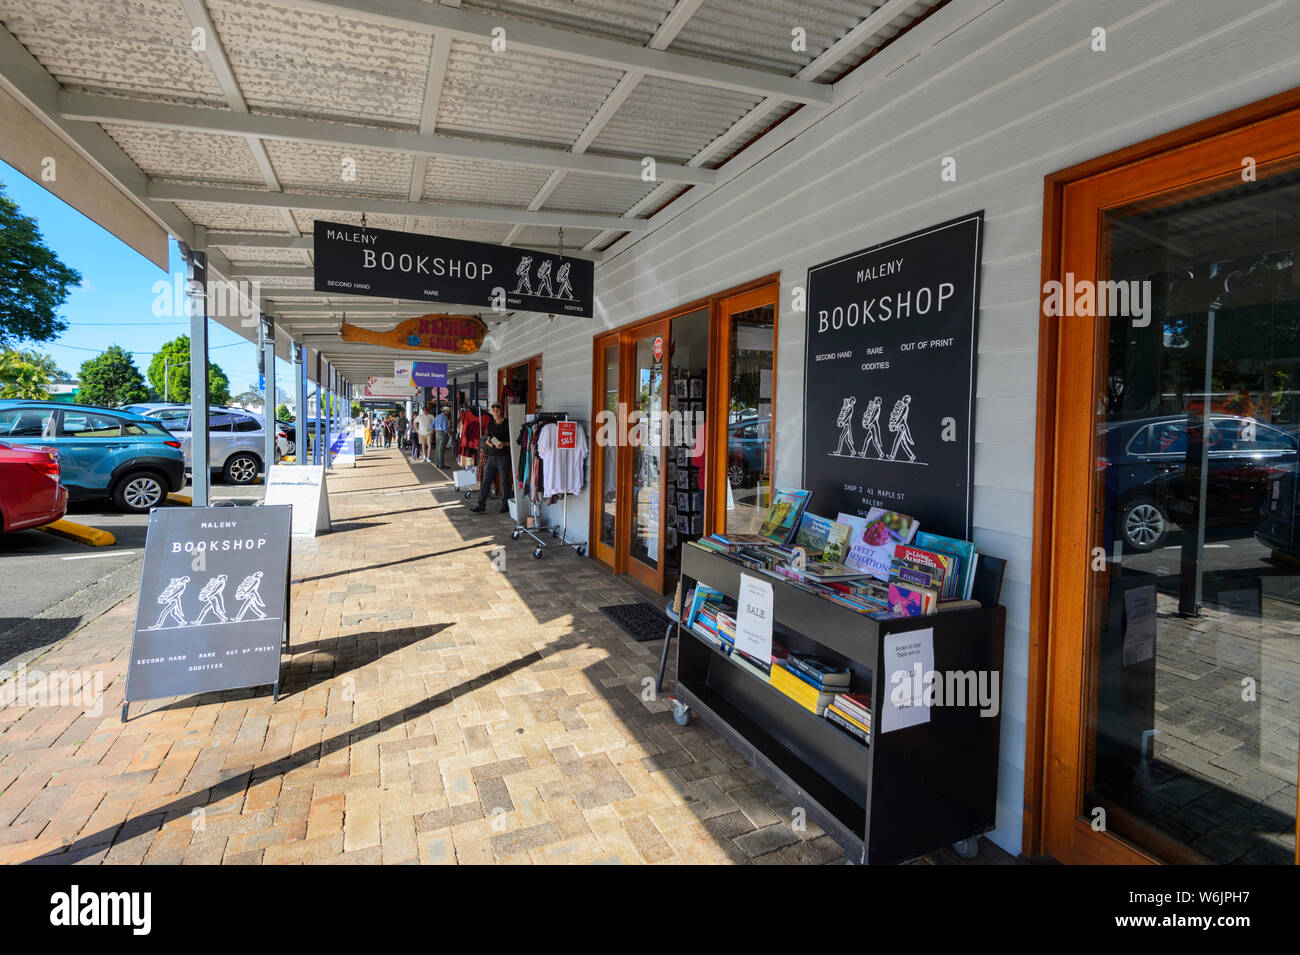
(111, 379)
(26, 374)
(174, 358)
(33, 282)
(283, 413)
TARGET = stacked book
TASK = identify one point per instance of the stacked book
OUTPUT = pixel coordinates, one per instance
(851, 712)
(809, 681)
(760, 668)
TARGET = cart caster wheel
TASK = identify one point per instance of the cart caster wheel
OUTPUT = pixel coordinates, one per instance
(967, 848)
(538, 553)
(555, 535)
(582, 551)
(514, 535)
(681, 713)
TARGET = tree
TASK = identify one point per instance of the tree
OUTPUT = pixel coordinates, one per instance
(174, 358)
(33, 282)
(250, 398)
(111, 379)
(283, 413)
(27, 374)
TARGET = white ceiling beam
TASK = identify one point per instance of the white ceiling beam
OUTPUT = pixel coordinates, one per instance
(197, 11)
(400, 207)
(424, 17)
(875, 21)
(439, 55)
(664, 35)
(90, 107)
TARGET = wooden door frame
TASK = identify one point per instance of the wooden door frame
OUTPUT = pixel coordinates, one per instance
(719, 388)
(658, 328)
(1204, 157)
(630, 333)
(598, 384)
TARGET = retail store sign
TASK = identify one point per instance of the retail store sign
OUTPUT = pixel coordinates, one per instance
(429, 374)
(568, 435)
(214, 601)
(754, 617)
(459, 334)
(430, 268)
(889, 377)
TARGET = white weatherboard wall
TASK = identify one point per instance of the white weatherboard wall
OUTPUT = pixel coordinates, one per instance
(1012, 95)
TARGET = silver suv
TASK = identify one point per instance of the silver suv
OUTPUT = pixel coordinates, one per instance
(236, 440)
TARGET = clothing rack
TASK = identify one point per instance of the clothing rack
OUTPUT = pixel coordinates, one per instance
(559, 534)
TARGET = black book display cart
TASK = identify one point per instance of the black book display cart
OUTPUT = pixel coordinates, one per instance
(908, 791)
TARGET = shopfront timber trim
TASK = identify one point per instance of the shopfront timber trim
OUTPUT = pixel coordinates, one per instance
(616, 388)
(1194, 167)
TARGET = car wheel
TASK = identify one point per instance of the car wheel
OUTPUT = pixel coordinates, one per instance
(736, 475)
(240, 469)
(139, 492)
(290, 447)
(1145, 524)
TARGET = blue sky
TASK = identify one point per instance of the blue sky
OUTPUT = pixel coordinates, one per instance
(114, 305)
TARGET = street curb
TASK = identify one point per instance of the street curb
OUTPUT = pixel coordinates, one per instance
(80, 533)
(180, 499)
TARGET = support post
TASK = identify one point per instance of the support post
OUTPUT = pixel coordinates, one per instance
(300, 406)
(196, 286)
(266, 337)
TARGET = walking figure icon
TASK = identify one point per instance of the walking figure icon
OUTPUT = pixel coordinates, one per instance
(248, 593)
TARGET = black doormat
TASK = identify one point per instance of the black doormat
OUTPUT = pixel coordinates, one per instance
(640, 621)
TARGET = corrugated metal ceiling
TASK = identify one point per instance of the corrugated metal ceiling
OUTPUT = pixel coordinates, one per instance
(290, 62)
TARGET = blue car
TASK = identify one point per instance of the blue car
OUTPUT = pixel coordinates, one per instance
(103, 453)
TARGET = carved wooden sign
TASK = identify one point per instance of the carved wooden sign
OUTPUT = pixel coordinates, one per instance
(458, 334)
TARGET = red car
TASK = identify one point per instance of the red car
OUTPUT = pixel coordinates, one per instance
(30, 492)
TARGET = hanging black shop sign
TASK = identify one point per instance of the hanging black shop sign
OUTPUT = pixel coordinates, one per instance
(889, 377)
(430, 268)
(214, 601)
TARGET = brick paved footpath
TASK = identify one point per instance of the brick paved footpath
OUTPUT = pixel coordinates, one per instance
(435, 710)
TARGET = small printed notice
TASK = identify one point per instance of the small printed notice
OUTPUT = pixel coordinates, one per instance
(754, 617)
(909, 658)
(303, 488)
(568, 435)
(1140, 629)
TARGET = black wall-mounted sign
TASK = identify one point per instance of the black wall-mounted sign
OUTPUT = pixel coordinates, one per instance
(214, 601)
(430, 268)
(889, 377)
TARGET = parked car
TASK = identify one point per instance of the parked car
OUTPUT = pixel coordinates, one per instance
(30, 492)
(127, 457)
(236, 440)
(1145, 468)
(748, 441)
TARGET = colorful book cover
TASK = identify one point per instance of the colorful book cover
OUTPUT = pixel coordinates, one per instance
(813, 533)
(874, 537)
(910, 572)
(781, 522)
(966, 556)
(942, 565)
(909, 601)
(837, 543)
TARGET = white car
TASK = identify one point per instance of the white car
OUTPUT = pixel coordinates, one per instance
(236, 440)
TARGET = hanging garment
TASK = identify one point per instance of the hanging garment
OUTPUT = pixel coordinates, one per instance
(563, 469)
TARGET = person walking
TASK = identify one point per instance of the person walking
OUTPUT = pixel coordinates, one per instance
(441, 427)
(496, 438)
(403, 426)
(424, 429)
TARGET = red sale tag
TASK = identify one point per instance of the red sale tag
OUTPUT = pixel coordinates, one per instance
(568, 434)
